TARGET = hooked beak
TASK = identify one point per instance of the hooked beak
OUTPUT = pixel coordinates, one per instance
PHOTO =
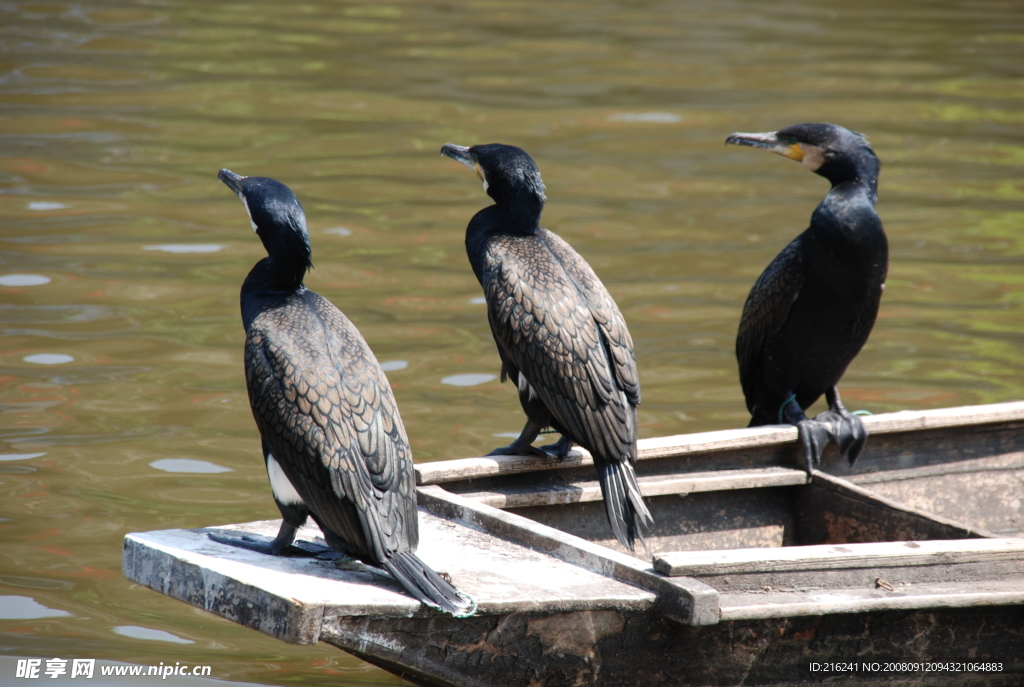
(459, 154)
(769, 141)
(231, 180)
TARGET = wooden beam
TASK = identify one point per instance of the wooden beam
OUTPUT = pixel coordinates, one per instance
(838, 556)
(682, 599)
(782, 604)
(721, 441)
(652, 485)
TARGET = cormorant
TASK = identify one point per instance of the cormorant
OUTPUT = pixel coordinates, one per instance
(561, 338)
(333, 441)
(812, 309)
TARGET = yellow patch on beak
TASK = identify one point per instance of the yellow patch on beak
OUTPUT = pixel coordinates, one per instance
(794, 152)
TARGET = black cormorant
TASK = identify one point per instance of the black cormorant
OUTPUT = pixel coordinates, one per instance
(560, 336)
(333, 441)
(810, 312)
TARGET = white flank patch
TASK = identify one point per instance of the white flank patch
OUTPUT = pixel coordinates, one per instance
(284, 492)
(529, 389)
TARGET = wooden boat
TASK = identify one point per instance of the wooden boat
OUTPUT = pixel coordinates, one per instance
(906, 569)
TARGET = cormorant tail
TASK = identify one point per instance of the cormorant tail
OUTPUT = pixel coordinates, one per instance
(627, 513)
(427, 586)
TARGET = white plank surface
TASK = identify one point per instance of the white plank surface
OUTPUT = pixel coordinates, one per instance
(287, 597)
(833, 556)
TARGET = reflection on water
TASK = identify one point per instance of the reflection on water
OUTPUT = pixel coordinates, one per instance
(149, 634)
(26, 608)
(122, 254)
(48, 359)
(186, 247)
(23, 280)
(187, 465)
(470, 379)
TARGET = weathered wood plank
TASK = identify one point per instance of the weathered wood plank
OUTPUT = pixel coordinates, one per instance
(653, 485)
(288, 597)
(783, 604)
(644, 648)
(834, 556)
(721, 441)
(685, 600)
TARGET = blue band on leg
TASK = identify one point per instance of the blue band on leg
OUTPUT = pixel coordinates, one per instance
(782, 408)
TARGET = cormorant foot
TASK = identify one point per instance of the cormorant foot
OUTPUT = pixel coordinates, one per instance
(517, 449)
(301, 549)
(558, 450)
(848, 430)
(814, 436)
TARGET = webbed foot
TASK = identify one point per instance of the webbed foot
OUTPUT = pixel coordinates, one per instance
(517, 449)
(523, 445)
(558, 450)
(848, 429)
(814, 436)
(275, 547)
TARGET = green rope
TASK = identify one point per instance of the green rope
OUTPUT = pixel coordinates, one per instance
(862, 412)
(782, 408)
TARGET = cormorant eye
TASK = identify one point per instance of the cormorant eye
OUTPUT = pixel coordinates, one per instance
(792, 140)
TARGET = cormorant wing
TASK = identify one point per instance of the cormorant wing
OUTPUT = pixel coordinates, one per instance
(326, 409)
(556, 323)
(766, 310)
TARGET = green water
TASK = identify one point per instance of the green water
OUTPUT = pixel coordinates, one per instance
(116, 116)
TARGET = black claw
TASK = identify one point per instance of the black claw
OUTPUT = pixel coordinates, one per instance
(848, 430)
(814, 436)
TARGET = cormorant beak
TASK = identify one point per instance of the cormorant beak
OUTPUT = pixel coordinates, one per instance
(463, 155)
(459, 154)
(232, 181)
(769, 141)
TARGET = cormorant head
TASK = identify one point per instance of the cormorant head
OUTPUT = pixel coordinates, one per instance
(277, 217)
(509, 175)
(830, 150)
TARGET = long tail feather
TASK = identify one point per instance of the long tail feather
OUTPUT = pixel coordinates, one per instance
(627, 513)
(426, 585)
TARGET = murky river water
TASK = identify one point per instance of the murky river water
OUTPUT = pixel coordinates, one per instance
(124, 407)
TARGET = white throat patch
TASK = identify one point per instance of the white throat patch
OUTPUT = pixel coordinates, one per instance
(245, 204)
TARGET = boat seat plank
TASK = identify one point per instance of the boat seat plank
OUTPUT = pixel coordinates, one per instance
(790, 603)
(839, 556)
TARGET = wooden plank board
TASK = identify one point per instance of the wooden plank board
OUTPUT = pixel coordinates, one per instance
(654, 485)
(681, 599)
(784, 604)
(289, 598)
(725, 440)
(833, 556)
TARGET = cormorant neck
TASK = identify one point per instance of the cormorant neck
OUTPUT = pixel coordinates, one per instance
(519, 213)
(270, 276)
(860, 168)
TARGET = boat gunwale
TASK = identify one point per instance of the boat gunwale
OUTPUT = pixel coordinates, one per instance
(680, 445)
